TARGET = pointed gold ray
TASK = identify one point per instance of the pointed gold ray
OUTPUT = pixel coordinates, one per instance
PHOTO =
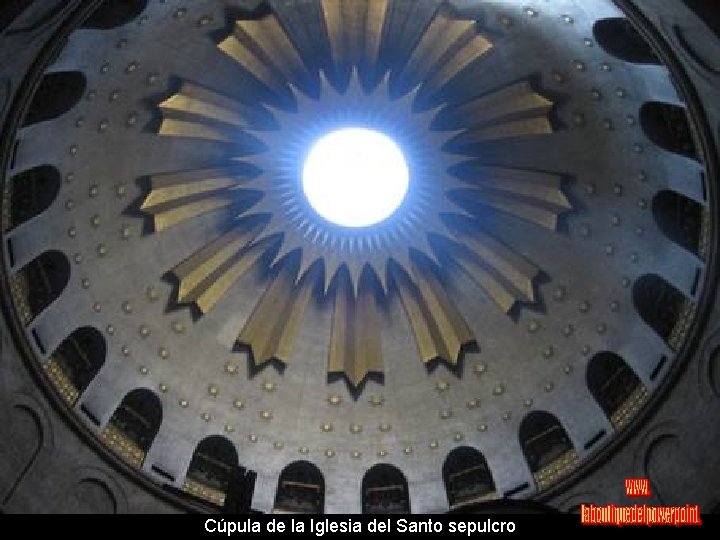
(221, 280)
(170, 187)
(355, 29)
(517, 272)
(445, 49)
(511, 103)
(173, 127)
(196, 273)
(535, 187)
(271, 330)
(524, 208)
(355, 342)
(265, 50)
(165, 216)
(506, 276)
(176, 197)
(505, 130)
(439, 328)
(488, 281)
(545, 188)
(204, 105)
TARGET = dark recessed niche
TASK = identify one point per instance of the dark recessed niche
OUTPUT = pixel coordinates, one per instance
(385, 491)
(301, 489)
(668, 127)
(81, 355)
(610, 381)
(658, 303)
(621, 39)
(138, 417)
(679, 218)
(31, 193)
(55, 96)
(41, 281)
(114, 13)
(213, 463)
(543, 439)
(467, 476)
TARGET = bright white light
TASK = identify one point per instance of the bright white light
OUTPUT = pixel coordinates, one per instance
(355, 177)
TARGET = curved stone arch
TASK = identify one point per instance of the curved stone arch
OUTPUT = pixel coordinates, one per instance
(97, 476)
(40, 443)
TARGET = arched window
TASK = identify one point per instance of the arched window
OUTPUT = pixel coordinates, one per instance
(621, 39)
(614, 386)
(679, 218)
(213, 465)
(668, 127)
(76, 362)
(660, 305)
(467, 477)
(547, 447)
(57, 94)
(114, 13)
(385, 491)
(39, 283)
(31, 193)
(301, 489)
(133, 425)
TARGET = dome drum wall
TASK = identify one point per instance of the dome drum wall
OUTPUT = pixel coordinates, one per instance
(474, 332)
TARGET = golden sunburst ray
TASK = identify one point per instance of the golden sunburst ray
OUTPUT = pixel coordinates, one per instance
(271, 329)
(273, 222)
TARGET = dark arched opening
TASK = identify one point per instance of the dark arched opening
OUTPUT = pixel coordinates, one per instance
(385, 491)
(660, 305)
(57, 94)
(39, 283)
(134, 424)
(114, 13)
(31, 193)
(621, 39)
(76, 362)
(668, 127)
(301, 489)
(614, 386)
(680, 219)
(547, 447)
(467, 477)
(211, 469)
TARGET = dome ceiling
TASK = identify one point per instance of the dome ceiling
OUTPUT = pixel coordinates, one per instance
(528, 297)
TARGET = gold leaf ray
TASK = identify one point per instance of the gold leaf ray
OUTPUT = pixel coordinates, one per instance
(355, 340)
(271, 330)
(195, 272)
(167, 215)
(507, 104)
(439, 328)
(177, 197)
(355, 30)
(446, 47)
(522, 207)
(542, 187)
(262, 55)
(202, 104)
(171, 187)
(173, 127)
(213, 288)
(505, 130)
